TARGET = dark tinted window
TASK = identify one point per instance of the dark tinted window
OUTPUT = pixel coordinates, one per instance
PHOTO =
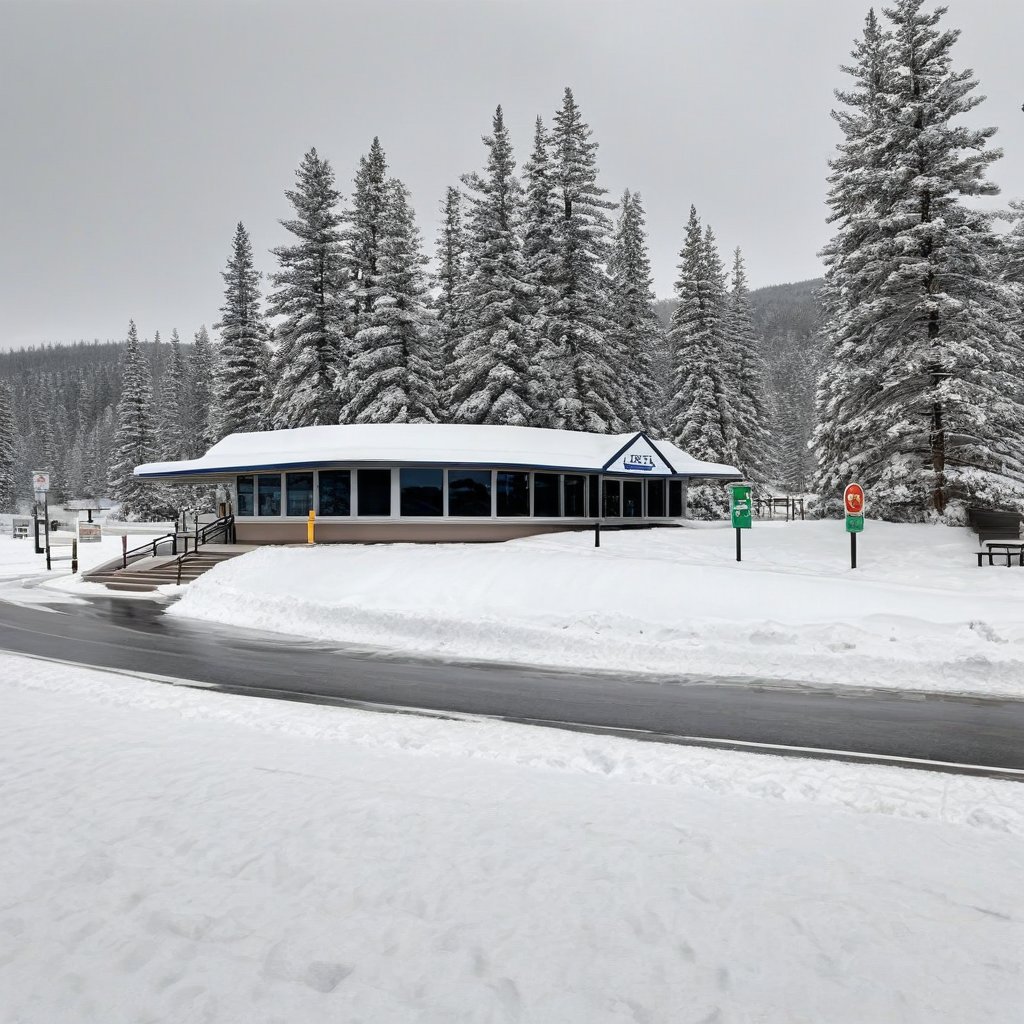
(245, 495)
(655, 497)
(469, 492)
(374, 492)
(268, 489)
(675, 497)
(335, 492)
(633, 498)
(298, 493)
(593, 505)
(421, 491)
(611, 498)
(573, 494)
(513, 494)
(545, 494)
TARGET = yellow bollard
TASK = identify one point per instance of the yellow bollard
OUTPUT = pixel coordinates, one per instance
(311, 527)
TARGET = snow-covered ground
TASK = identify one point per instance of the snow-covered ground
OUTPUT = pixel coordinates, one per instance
(173, 855)
(918, 613)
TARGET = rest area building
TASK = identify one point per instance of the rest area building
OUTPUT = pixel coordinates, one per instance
(439, 482)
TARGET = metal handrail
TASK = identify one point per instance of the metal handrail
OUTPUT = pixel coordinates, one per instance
(143, 549)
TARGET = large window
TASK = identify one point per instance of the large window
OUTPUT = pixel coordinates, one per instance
(469, 492)
(573, 494)
(422, 492)
(268, 490)
(335, 492)
(298, 493)
(633, 498)
(513, 494)
(675, 497)
(593, 503)
(655, 498)
(612, 509)
(374, 492)
(246, 495)
(545, 495)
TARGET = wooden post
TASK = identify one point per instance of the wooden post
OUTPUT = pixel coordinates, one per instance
(597, 533)
(46, 525)
(124, 550)
(74, 555)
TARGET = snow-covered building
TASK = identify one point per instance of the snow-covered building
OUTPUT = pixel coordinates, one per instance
(440, 482)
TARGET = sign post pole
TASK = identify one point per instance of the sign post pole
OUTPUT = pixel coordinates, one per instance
(853, 499)
(740, 508)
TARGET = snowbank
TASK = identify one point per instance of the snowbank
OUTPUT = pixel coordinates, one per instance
(917, 614)
(174, 854)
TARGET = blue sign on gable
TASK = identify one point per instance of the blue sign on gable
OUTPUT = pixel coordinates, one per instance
(638, 463)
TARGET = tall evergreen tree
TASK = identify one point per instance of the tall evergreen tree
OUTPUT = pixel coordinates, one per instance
(450, 280)
(699, 419)
(591, 395)
(310, 296)
(134, 443)
(199, 396)
(392, 374)
(638, 334)
(362, 235)
(240, 385)
(755, 456)
(7, 452)
(170, 439)
(494, 369)
(922, 391)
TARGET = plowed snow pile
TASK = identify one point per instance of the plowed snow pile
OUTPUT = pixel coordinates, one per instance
(918, 613)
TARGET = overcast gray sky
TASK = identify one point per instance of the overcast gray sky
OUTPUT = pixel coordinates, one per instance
(135, 134)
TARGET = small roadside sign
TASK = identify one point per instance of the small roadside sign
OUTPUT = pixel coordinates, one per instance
(853, 500)
(741, 507)
(40, 481)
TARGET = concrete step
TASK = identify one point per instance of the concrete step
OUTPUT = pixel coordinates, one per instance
(153, 574)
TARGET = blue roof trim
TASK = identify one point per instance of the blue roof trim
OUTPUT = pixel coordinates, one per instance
(283, 467)
(625, 448)
(657, 450)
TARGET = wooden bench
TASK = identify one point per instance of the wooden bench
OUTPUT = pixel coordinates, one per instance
(1007, 549)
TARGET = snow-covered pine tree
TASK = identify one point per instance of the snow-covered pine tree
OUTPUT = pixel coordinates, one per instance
(698, 415)
(937, 413)
(450, 280)
(591, 393)
(240, 386)
(170, 436)
(637, 331)
(493, 370)
(392, 372)
(846, 382)
(7, 452)
(749, 403)
(540, 254)
(134, 443)
(310, 295)
(363, 231)
(199, 396)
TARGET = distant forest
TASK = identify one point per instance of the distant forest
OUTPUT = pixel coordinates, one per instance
(64, 396)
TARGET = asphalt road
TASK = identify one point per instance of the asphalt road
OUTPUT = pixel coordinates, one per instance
(135, 636)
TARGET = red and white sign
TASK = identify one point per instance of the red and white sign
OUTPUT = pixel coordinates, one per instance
(853, 498)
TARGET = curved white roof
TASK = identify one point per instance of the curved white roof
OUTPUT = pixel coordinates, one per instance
(448, 444)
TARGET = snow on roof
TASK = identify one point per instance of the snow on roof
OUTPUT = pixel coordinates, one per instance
(440, 444)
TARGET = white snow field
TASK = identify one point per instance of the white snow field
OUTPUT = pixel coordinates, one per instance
(918, 613)
(180, 856)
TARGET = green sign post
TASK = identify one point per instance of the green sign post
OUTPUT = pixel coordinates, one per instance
(740, 506)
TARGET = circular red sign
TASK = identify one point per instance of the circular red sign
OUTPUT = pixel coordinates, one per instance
(853, 498)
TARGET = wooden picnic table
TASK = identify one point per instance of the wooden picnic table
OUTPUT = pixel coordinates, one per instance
(1009, 548)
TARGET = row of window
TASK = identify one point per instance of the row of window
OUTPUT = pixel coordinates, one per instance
(453, 492)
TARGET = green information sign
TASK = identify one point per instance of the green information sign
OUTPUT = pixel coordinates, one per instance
(854, 524)
(740, 506)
